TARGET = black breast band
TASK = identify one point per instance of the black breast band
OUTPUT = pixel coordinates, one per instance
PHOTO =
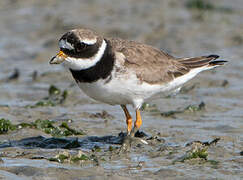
(101, 70)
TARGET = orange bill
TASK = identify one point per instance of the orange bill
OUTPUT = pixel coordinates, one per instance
(59, 58)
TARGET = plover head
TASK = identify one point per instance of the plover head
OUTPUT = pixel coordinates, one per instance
(80, 49)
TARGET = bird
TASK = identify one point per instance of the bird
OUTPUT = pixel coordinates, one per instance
(124, 72)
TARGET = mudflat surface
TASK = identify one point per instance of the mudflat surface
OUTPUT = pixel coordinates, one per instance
(29, 34)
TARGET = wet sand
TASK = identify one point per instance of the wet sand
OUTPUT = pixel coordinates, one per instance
(29, 34)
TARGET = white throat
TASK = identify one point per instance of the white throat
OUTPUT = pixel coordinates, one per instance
(85, 63)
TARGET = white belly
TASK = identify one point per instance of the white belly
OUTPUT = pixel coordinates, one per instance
(123, 90)
(128, 89)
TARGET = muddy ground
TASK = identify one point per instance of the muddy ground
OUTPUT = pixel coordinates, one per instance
(70, 136)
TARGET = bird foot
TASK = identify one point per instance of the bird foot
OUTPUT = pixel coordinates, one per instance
(127, 143)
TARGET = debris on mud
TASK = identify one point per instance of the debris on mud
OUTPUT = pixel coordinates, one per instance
(77, 157)
(188, 109)
(46, 126)
(198, 150)
(14, 76)
(55, 97)
(149, 107)
(225, 83)
(103, 115)
(139, 134)
(206, 143)
(34, 75)
(237, 39)
(187, 89)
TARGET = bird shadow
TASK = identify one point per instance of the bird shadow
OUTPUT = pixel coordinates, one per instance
(62, 143)
(87, 142)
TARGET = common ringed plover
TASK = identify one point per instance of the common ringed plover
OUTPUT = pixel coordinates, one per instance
(121, 72)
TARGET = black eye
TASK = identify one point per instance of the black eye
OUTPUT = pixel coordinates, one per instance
(80, 46)
(71, 38)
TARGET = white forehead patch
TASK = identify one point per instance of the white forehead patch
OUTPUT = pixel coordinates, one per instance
(65, 45)
(80, 64)
(89, 41)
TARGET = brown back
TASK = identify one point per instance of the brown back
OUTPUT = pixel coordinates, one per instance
(155, 66)
(151, 65)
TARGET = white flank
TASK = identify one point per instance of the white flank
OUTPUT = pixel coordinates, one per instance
(80, 64)
(89, 41)
(178, 82)
(127, 89)
(65, 45)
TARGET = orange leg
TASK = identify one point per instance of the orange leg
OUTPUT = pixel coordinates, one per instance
(128, 119)
(137, 123)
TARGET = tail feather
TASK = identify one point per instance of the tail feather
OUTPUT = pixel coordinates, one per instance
(197, 62)
(217, 63)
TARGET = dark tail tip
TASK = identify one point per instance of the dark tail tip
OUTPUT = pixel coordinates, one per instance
(214, 56)
(215, 62)
(219, 63)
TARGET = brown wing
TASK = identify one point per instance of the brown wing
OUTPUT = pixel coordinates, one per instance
(154, 66)
(151, 65)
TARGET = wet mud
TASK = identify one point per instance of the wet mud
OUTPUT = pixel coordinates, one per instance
(49, 129)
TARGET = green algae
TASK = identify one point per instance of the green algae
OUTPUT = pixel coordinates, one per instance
(205, 5)
(59, 158)
(199, 151)
(43, 103)
(83, 157)
(188, 109)
(53, 90)
(195, 108)
(67, 157)
(199, 5)
(46, 126)
(42, 124)
(6, 125)
(57, 131)
(213, 162)
(55, 97)
(111, 148)
(69, 131)
(96, 149)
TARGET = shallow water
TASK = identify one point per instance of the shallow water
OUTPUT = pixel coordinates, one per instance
(29, 34)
